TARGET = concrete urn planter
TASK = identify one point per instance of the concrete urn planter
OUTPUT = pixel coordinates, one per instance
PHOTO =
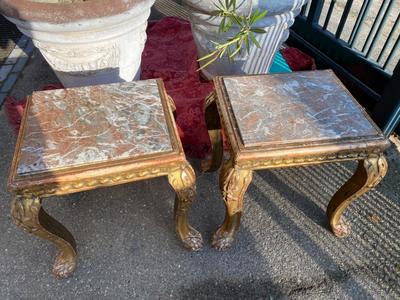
(85, 42)
(281, 15)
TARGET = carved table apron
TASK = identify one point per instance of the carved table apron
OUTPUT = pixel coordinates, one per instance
(284, 120)
(80, 139)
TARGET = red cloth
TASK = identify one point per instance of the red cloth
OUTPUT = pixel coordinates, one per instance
(170, 54)
(298, 60)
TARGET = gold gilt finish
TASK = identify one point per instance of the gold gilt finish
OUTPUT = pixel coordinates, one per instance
(236, 173)
(234, 182)
(27, 211)
(369, 174)
(214, 131)
(183, 181)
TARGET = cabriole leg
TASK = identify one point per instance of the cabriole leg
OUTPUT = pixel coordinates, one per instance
(184, 183)
(27, 213)
(233, 184)
(368, 174)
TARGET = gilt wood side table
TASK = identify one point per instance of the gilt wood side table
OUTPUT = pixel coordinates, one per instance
(284, 120)
(80, 139)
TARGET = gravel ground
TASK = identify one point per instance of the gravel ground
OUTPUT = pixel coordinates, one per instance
(127, 246)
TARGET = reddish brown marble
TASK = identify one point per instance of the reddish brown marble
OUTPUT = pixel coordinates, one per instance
(73, 127)
(295, 108)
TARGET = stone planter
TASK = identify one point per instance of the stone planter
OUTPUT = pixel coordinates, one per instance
(85, 42)
(281, 15)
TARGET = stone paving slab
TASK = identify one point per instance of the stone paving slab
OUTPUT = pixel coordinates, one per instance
(128, 249)
(9, 35)
(12, 65)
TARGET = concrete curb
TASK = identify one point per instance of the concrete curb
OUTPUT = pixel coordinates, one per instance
(14, 65)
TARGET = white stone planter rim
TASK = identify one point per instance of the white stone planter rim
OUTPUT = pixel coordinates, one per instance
(274, 7)
(85, 25)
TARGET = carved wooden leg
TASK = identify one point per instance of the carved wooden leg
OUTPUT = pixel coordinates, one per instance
(214, 131)
(368, 174)
(233, 183)
(184, 183)
(27, 213)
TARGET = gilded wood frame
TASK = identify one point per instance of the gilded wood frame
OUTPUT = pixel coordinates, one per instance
(28, 213)
(236, 174)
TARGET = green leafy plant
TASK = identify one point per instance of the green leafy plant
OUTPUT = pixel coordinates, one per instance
(243, 39)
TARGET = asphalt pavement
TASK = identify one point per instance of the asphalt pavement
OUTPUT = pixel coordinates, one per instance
(128, 249)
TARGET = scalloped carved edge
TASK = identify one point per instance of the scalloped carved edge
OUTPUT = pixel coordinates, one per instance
(309, 159)
(92, 183)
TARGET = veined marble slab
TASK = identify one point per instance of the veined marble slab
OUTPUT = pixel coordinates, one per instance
(73, 127)
(295, 107)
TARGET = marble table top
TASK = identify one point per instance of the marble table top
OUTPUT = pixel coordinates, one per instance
(294, 108)
(81, 126)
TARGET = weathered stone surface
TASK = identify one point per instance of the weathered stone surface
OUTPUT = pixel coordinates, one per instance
(72, 127)
(64, 11)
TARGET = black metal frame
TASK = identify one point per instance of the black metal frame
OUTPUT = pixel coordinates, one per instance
(368, 82)
(387, 113)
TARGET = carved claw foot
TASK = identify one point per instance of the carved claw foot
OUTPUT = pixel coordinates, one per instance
(193, 241)
(342, 229)
(64, 267)
(222, 240)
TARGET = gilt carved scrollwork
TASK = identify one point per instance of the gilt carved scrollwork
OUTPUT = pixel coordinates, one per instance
(234, 182)
(25, 212)
(62, 188)
(184, 183)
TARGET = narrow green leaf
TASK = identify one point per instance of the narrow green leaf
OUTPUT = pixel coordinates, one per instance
(258, 30)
